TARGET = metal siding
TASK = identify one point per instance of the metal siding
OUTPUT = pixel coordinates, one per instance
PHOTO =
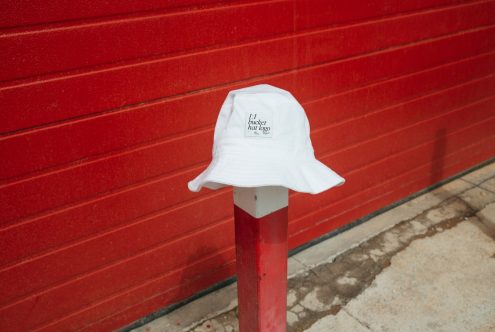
(108, 110)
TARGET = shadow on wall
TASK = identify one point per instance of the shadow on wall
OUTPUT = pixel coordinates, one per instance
(216, 265)
(214, 258)
(439, 149)
(203, 268)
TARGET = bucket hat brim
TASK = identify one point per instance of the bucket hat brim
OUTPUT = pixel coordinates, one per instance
(307, 175)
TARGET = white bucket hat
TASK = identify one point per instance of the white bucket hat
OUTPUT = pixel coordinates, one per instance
(262, 139)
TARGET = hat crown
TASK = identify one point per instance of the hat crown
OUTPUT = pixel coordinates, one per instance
(262, 118)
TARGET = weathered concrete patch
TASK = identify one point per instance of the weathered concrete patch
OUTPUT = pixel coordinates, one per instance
(486, 219)
(477, 197)
(226, 322)
(341, 322)
(481, 174)
(444, 283)
(489, 185)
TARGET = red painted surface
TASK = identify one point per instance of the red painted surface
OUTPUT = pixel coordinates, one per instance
(108, 110)
(261, 256)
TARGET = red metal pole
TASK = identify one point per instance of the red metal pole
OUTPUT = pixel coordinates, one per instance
(261, 249)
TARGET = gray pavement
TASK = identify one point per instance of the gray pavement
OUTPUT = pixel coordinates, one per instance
(426, 265)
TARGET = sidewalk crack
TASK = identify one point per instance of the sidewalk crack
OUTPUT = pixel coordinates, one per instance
(363, 323)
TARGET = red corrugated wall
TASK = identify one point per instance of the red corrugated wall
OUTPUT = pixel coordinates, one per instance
(107, 110)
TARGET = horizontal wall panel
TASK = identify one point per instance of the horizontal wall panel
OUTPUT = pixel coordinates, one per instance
(392, 191)
(382, 151)
(394, 118)
(127, 84)
(17, 246)
(93, 178)
(79, 221)
(77, 46)
(148, 297)
(27, 12)
(108, 111)
(82, 293)
(431, 129)
(425, 152)
(38, 51)
(356, 102)
(385, 145)
(108, 247)
(316, 13)
(391, 63)
(397, 30)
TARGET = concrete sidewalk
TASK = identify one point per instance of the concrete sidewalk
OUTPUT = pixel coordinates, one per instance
(426, 265)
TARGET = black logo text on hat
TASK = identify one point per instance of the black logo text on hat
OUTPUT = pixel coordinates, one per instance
(259, 124)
